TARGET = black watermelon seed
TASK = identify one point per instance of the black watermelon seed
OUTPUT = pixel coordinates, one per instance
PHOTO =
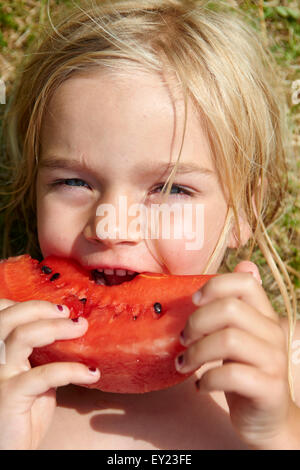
(54, 277)
(135, 317)
(83, 300)
(157, 307)
(46, 269)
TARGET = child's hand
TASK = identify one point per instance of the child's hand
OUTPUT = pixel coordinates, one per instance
(27, 395)
(236, 323)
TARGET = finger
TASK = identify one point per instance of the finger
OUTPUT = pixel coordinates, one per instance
(25, 312)
(20, 343)
(240, 285)
(248, 267)
(231, 312)
(244, 380)
(24, 388)
(234, 345)
(4, 303)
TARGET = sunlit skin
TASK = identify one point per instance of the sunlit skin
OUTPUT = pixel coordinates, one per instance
(114, 133)
(120, 128)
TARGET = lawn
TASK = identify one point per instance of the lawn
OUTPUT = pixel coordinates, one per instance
(279, 24)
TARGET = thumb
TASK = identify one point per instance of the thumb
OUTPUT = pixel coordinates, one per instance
(248, 267)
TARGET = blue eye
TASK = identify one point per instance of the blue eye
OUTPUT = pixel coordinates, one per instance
(176, 190)
(77, 182)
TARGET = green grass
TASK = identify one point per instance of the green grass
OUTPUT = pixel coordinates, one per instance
(279, 22)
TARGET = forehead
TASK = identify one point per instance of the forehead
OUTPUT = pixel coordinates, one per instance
(123, 111)
(111, 90)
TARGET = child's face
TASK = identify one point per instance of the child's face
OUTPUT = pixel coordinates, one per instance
(122, 131)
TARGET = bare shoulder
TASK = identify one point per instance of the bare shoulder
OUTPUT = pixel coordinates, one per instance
(295, 355)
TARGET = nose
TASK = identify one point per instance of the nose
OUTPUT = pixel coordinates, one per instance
(116, 223)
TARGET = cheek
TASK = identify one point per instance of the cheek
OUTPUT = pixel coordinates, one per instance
(178, 259)
(200, 230)
(53, 224)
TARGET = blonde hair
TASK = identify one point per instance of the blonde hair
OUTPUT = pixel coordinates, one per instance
(223, 71)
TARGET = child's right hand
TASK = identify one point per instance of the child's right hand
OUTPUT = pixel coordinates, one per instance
(28, 395)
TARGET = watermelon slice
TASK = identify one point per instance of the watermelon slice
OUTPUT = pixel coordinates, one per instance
(134, 327)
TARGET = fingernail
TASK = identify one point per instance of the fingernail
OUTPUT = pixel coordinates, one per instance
(93, 370)
(181, 338)
(197, 384)
(179, 361)
(257, 277)
(78, 320)
(62, 309)
(197, 297)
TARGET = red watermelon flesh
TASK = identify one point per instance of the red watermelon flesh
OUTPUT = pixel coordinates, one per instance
(134, 327)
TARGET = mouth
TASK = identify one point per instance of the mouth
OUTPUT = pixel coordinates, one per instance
(112, 277)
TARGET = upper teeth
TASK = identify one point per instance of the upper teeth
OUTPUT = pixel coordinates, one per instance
(118, 272)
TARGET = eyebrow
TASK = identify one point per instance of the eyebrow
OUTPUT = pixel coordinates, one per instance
(54, 163)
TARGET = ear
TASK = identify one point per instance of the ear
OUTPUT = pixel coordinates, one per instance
(245, 232)
(245, 229)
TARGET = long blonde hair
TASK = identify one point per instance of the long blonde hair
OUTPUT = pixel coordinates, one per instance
(222, 69)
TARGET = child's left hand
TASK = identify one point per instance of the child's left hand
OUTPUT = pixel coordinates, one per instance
(236, 323)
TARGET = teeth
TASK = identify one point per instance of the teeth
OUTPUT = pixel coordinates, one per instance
(98, 277)
(121, 272)
(108, 271)
(118, 272)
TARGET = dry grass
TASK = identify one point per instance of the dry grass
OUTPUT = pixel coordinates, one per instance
(279, 23)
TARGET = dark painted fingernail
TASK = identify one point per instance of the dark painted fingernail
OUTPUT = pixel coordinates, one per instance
(180, 361)
(63, 310)
(92, 370)
(197, 384)
(181, 337)
(75, 320)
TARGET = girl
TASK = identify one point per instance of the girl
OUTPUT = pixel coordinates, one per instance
(139, 99)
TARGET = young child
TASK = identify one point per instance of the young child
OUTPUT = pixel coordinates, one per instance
(116, 94)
